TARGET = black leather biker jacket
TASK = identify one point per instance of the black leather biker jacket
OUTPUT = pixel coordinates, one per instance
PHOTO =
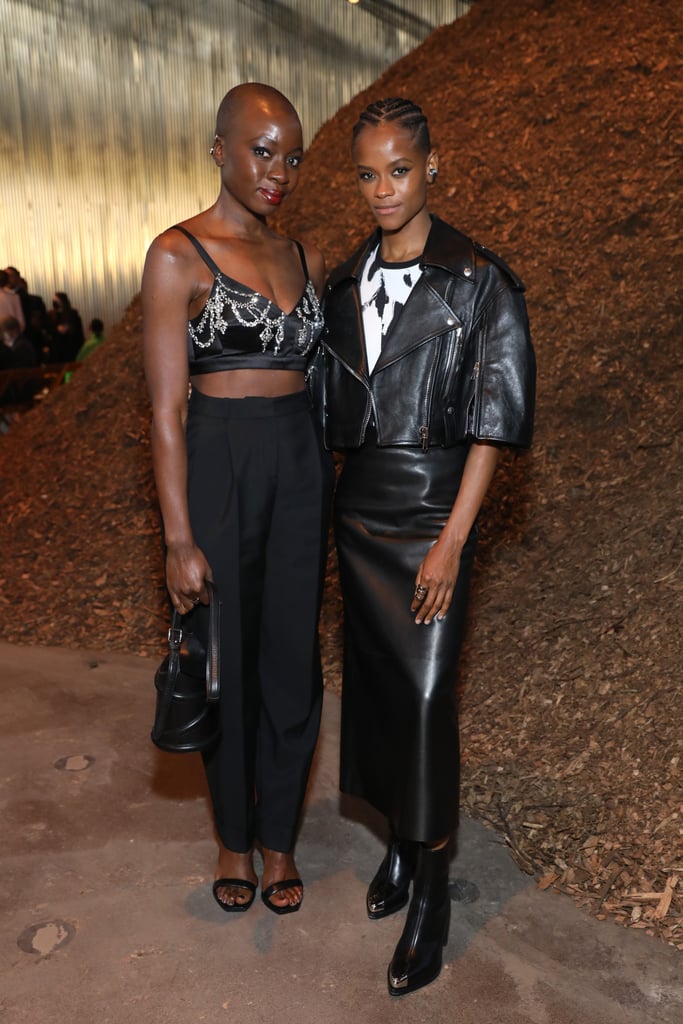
(458, 365)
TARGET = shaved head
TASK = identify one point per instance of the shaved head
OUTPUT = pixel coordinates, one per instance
(251, 96)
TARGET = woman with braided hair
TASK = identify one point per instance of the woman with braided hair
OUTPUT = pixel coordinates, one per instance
(429, 370)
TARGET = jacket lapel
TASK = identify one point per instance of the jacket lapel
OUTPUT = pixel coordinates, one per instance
(423, 317)
(346, 340)
(425, 313)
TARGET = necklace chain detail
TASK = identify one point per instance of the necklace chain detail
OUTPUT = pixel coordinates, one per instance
(253, 309)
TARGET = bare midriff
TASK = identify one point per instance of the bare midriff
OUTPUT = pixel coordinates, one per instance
(249, 383)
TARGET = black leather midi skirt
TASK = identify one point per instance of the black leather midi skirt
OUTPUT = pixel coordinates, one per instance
(399, 742)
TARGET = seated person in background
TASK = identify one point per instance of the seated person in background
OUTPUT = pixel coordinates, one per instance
(17, 284)
(17, 350)
(96, 337)
(66, 330)
(35, 314)
(37, 330)
(10, 303)
(16, 353)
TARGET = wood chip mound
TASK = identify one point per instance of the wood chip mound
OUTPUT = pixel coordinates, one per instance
(559, 141)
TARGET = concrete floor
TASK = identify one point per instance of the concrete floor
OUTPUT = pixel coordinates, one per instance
(106, 860)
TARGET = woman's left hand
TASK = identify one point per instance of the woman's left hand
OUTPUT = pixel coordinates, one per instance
(435, 581)
(438, 572)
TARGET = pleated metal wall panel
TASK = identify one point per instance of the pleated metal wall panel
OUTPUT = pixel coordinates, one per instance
(107, 110)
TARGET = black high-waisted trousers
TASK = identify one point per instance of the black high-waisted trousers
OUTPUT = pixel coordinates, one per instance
(399, 743)
(259, 485)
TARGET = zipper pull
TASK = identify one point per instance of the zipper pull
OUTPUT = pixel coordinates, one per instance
(424, 438)
(473, 397)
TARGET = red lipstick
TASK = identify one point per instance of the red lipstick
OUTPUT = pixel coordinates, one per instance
(272, 196)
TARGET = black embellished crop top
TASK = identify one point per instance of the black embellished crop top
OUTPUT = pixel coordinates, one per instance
(240, 329)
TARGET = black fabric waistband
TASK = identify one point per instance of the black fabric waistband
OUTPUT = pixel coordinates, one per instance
(253, 407)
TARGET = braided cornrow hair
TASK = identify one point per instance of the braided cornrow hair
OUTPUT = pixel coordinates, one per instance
(404, 112)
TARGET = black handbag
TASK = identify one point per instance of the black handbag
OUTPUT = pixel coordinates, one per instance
(188, 686)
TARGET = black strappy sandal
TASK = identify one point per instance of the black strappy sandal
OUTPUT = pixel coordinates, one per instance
(278, 887)
(235, 883)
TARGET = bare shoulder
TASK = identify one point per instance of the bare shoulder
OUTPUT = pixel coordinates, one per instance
(169, 277)
(170, 263)
(170, 245)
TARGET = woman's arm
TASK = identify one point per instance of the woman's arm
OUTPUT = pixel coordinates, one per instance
(167, 289)
(439, 569)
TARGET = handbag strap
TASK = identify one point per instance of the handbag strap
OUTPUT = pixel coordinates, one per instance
(213, 651)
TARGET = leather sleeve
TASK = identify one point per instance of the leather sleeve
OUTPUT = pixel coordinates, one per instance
(503, 405)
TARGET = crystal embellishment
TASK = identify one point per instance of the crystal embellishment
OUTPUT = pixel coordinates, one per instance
(251, 309)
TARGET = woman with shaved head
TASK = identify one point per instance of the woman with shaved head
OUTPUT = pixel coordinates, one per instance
(231, 308)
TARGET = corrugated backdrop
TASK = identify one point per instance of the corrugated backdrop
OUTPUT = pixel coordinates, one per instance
(107, 111)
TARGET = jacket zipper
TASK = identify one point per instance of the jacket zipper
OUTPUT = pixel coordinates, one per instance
(455, 355)
(423, 431)
(361, 335)
(366, 419)
(470, 407)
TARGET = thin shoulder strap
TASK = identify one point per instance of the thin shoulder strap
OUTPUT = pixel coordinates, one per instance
(200, 249)
(302, 254)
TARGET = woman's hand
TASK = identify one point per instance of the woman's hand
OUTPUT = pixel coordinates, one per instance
(435, 581)
(186, 572)
(438, 571)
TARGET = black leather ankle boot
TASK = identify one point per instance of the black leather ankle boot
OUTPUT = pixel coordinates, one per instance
(418, 955)
(389, 889)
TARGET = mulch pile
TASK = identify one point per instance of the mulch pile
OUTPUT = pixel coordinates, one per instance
(556, 124)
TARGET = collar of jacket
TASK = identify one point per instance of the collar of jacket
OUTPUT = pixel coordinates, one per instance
(426, 314)
(445, 247)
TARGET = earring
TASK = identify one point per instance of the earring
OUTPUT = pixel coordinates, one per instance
(432, 174)
(211, 151)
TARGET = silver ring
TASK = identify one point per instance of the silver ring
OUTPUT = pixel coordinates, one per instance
(420, 591)
(195, 600)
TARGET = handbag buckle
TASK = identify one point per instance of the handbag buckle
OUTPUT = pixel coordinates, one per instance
(175, 635)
